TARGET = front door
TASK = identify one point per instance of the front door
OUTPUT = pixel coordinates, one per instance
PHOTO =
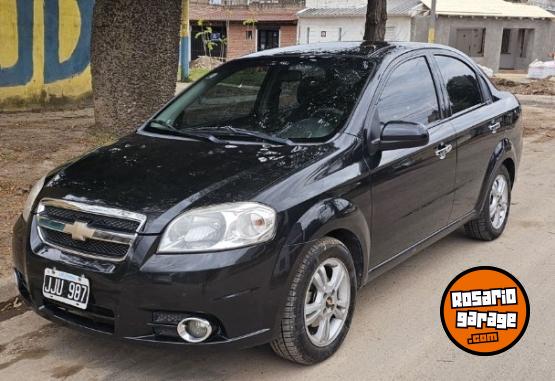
(412, 189)
(268, 39)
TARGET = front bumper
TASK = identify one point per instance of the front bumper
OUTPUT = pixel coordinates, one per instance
(241, 292)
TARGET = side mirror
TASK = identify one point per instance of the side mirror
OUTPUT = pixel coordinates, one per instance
(399, 134)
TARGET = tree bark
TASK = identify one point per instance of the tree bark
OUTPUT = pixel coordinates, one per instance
(134, 60)
(376, 17)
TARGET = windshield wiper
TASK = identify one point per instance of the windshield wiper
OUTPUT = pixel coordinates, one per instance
(187, 134)
(255, 134)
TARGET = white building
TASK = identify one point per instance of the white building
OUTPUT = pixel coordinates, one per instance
(343, 20)
(495, 33)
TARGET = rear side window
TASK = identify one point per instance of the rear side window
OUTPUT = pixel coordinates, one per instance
(409, 94)
(463, 87)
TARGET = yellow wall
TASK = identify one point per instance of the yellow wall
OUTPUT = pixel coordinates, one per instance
(19, 89)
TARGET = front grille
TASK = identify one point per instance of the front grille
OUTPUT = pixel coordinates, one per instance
(94, 221)
(92, 247)
(88, 230)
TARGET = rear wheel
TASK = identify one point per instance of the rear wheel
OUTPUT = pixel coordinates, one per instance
(493, 218)
(320, 304)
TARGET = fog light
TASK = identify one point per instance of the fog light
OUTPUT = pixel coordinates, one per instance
(194, 330)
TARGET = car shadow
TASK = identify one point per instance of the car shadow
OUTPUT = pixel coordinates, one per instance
(143, 361)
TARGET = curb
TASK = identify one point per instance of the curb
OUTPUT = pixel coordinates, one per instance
(536, 100)
(8, 290)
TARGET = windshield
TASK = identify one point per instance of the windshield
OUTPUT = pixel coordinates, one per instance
(269, 99)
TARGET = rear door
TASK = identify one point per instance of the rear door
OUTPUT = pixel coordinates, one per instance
(476, 124)
(412, 189)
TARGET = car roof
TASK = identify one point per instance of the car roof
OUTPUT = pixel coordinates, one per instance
(351, 48)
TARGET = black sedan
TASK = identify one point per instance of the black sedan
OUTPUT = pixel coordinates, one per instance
(256, 203)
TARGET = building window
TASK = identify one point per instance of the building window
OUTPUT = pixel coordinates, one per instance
(471, 41)
(268, 39)
(249, 35)
(506, 42)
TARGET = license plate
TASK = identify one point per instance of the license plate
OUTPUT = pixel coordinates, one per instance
(66, 288)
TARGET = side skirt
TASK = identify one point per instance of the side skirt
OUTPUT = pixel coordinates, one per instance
(406, 254)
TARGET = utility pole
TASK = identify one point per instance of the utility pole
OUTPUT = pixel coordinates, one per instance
(184, 48)
(432, 28)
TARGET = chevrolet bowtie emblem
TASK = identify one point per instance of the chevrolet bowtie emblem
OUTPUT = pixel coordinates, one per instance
(79, 231)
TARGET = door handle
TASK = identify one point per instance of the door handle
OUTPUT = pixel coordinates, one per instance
(494, 127)
(443, 150)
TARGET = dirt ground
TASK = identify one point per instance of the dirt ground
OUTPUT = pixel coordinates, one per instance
(382, 343)
(31, 144)
(533, 87)
(396, 332)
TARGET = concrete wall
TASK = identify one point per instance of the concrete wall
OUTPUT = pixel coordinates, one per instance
(351, 28)
(543, 40)
(44, 52)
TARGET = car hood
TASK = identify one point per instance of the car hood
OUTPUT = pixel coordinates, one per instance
(161, 177)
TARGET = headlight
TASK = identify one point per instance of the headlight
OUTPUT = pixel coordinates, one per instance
(219, 227)
(33, 193)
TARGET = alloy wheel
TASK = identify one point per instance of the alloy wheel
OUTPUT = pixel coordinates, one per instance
(499, 201)
(327, 302)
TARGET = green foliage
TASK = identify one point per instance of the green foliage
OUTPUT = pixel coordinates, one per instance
(196, 74)
(249, 22)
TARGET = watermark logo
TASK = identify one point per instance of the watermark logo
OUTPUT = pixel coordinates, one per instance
(485, 311)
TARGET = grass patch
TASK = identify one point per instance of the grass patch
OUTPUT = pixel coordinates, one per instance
(195, 74)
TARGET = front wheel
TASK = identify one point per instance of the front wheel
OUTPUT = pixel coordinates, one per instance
(491, 222)
(320, 304)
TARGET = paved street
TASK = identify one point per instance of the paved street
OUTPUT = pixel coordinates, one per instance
(396, 333)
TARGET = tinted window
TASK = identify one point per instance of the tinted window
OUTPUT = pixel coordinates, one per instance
(409, 94)
(293, 98)
(462, 84)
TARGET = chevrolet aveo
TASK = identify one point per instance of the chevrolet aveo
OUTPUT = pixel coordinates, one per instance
(256, 203)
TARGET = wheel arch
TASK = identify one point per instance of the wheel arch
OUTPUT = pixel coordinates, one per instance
(503, 154)
(510, 165)
(338, 218)
(352, 242)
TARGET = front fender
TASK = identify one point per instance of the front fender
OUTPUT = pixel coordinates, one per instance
(327, 216)
(330, 215)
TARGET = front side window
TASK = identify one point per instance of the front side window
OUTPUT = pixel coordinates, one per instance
(409, 94)
(462, 84)
(300, 99)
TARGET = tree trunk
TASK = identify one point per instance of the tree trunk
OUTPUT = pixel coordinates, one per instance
(376, 17)
(134, 60)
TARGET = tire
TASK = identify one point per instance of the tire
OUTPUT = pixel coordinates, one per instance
(485, 227)
(295, 342)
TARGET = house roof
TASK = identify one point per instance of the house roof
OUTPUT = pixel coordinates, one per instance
(487, 8)
(548, 5)
(218, 13)
(394, 8)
